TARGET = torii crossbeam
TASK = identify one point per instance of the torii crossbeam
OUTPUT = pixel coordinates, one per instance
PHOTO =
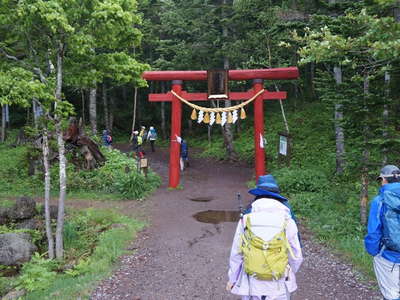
(258, 76)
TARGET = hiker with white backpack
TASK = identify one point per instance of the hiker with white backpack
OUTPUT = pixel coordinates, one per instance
(266, 251)
(383, 238)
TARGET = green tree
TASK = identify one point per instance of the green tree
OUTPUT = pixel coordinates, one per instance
(50, 38)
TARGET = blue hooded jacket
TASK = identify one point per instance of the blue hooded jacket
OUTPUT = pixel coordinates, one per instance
(373, 240)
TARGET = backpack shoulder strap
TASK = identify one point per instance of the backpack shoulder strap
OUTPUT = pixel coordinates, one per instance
(289, 247)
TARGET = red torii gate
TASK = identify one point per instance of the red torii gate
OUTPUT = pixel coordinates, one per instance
(257, 75)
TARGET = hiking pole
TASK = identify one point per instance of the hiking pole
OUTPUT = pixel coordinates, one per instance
(239, 198)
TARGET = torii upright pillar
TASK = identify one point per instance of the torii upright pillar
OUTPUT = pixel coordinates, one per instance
(257, 76)
(176, 124)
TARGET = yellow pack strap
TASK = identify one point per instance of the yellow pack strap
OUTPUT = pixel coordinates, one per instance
(287, 241)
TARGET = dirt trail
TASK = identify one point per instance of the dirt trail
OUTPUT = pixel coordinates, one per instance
(178, 257)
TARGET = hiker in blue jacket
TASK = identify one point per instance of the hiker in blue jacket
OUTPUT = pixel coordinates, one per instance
(107, 139)
(383, 238)
(184, 159)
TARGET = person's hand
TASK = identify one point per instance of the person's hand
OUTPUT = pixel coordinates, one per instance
(229, 286)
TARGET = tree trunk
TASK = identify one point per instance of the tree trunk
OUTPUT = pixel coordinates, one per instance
(92, 109)
(396, 11)
(124, 94)
(365, 160)
(134, 112)
(63, 191)
(34, 112)
(339, 132)
(83, 107)
(111, 111)
(364, 188)
(62, 160)
(3, 123)
(385, 117)
(190, 127)
(105, 105)
(227, 129)
(46, 165)
(312, 76)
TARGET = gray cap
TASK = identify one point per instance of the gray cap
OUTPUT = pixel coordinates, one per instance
(389, 171)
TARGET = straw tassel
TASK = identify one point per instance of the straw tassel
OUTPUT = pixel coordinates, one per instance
(218, 118)
(242, 114)
(230, 118)
(206, 119)
(194, 115)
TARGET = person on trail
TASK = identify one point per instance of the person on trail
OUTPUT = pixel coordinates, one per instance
(267, 187)
(136, 143)
(266, 251)
(184, 160)
(152, 136)
(143, 133)
(107, 138)
(383, 238)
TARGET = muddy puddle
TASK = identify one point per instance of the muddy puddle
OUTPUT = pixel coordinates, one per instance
(201, 199)
(217, 216)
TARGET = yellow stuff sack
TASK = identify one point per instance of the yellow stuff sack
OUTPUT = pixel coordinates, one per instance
(265, 260)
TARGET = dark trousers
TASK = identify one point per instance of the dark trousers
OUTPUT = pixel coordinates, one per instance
(152, 145)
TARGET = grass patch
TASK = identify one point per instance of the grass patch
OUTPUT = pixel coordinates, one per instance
(109, 231)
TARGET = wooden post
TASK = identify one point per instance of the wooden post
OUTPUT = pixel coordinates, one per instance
(175, 146)
(258, 84)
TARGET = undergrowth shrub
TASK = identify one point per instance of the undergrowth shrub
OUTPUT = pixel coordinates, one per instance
(37, 274)
(118, 176)
(96, 237)
(294, 180)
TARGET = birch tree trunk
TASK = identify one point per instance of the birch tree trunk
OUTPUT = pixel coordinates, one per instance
(46, 165)
(3, 123)
(62, 160)
(105, 106)
(339, 132)
(365, 161)
(134, 112)
(93, 108)
(63, 192)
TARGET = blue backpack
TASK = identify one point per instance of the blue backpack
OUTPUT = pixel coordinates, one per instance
(391, 220)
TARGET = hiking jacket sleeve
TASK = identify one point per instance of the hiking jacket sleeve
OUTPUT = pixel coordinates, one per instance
(236, 259)
(294, 242)
(374, 236)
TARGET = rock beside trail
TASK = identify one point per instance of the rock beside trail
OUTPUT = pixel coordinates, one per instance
(14, 295)
(24, 208)
(53, 211)
(4, 215)
(16, 248)
(32, 224)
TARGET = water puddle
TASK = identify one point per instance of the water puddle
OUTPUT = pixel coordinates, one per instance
(201, 199)
(217, 216)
